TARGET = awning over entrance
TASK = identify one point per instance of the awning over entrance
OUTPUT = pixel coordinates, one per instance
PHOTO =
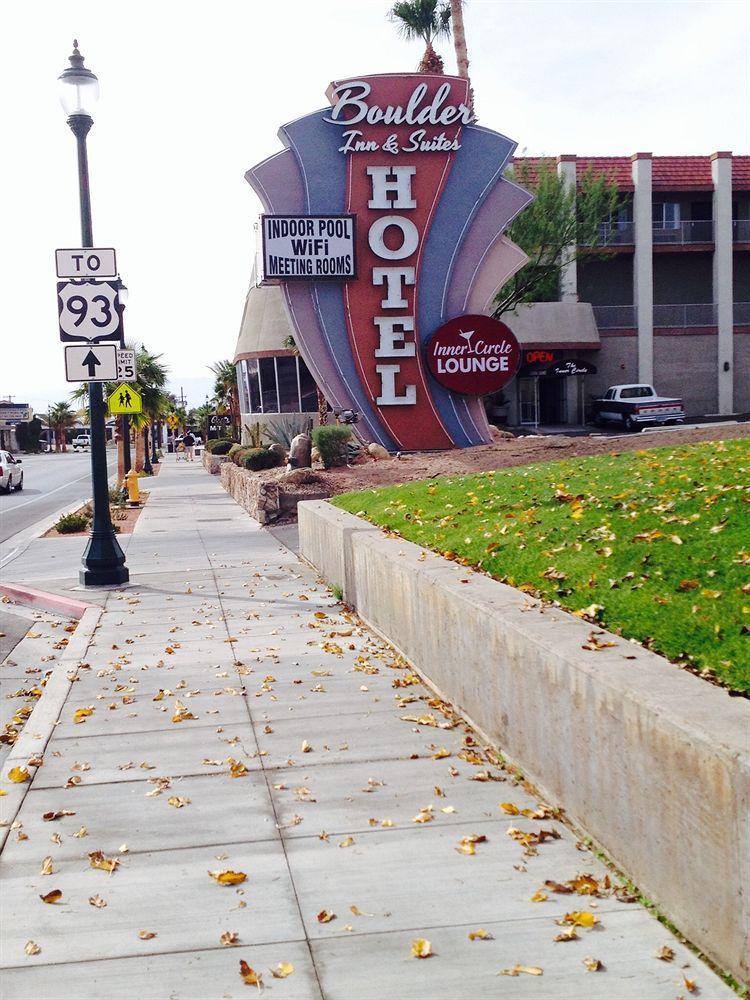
(558, 369)
(562, 325)
(265, 325)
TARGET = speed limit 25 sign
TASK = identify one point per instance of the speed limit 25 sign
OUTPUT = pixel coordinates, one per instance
(89, 311)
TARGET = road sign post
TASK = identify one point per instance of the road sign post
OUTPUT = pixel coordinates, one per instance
(90, 363)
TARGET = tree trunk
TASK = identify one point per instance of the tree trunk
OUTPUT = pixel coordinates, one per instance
(139, 452)
(459, 38)
(431, 61)
(322, 409)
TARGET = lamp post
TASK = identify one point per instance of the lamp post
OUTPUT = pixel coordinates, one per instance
(103, 559)
(154, 456)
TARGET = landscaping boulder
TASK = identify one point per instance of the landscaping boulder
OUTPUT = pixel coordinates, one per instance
(280, 450)
(377, 451)
(300, 452)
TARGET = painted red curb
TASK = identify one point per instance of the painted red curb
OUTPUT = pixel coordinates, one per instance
(44, 601)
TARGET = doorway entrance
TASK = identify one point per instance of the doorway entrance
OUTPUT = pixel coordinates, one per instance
(552, 401)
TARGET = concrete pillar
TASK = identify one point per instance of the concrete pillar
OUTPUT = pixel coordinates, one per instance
(643, 265)
(721, 173)
(566, 170)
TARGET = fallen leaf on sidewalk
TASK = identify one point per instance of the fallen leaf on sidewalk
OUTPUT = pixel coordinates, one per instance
(538, 897)
(82, 713)
(480, 935)
(325, 917)
(567, 935)
(346, 842)
(18, 775)
(421, 948)
(97, 901)
(579, 918)
(466, 845)
(306, 748)
(178, 801)
(228, 877)
(98, 860)
(236, 768)
(229, 938)
(146, 935)
(54, 896)
(282, 970)
(250, 976)
(181, 713)
(47, 868)
(516, 970)
(592, 964)
(665, 953)
(31, 948)
(510, 808)
(690, 984)
(56, 814)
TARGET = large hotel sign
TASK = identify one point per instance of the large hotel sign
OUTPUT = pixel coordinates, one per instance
(384, 221)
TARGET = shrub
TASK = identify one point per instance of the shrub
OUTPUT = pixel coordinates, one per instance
(234, 449)
(236, 453)
(258, 458)
(220, 447)
(331, 441)
(70, 523)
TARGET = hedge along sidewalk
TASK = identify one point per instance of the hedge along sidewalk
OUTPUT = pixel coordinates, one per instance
(649, 760)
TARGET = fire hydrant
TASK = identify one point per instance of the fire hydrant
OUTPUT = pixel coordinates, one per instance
(131, 481)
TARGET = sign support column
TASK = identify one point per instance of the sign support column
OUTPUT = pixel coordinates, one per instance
(103, 559)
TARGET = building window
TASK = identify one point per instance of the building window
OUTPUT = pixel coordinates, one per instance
(667, 215)
(277, 385)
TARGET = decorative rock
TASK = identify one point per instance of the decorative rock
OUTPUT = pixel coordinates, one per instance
(499, 435)
(300, 452)
(377, 451)
(300, 476)
(280, 450)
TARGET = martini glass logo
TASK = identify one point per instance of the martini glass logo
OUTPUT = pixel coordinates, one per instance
(467, 335)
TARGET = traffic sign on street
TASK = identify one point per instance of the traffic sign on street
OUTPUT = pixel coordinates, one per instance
(125, 399)
(126, 369)
(86, 263)
(90, 363)
(89, 311)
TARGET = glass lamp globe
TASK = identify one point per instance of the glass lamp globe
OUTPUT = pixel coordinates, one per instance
(79, 87)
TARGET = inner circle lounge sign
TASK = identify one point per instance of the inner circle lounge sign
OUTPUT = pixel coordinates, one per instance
(473, 355)
(395, 206)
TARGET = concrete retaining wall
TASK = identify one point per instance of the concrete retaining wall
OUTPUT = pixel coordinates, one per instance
(213, 463)
(649, 760)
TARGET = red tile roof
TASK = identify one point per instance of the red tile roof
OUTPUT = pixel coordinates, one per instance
(670, 173)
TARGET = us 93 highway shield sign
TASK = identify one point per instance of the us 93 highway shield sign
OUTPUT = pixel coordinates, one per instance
(89, 311)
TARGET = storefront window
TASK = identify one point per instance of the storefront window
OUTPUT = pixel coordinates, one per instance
(286, 374)
(268, 396)
(276, 385)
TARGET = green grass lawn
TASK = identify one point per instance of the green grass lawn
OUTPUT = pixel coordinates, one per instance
(653, 544)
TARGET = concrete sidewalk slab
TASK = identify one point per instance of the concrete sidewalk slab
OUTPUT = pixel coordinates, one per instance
(244, 587)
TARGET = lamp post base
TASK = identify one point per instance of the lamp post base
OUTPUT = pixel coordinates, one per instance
(104, 577)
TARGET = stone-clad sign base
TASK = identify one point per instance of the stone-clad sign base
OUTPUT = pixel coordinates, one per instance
(649, 760)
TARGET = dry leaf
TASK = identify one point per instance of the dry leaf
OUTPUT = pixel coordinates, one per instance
(325, 917)
(97, 901)
(31, 948)
(18, 775)
(510, 808)
(236, 768)
(79, 834)
(539, 897)
(57, 814)
(250, 976)
(665, 953)
(480, 935)
(47, 868)
(347, 842)
(54, 896)
(567, 935)
(228, 877)
(528, 970)
(181, 713)
(421, 948)
(146, 935)
(82, 713)
(229, 937)
(178, 801)
(592, 964)
(579, 918)
(97, 860)
(282, 970)
(690, 984)
(306, 748)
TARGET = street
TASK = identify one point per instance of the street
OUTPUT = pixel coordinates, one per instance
(51, 482)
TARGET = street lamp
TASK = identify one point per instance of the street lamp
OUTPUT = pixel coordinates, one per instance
(103, 559)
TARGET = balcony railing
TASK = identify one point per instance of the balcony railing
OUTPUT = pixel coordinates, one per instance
(685, 314)
(617, 233)
(613, 317)
(742, 313)
(741, 231)
(697, 231)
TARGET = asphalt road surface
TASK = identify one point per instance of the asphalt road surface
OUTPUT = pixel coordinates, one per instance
(50, 482)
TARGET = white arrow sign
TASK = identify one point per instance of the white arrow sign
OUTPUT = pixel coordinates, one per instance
(89, 310)
(86, 263)
(91, 362)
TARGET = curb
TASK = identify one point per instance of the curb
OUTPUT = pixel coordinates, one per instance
(41, 723)
(44, 601)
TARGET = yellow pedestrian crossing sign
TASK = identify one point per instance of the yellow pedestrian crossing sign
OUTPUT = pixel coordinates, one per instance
(125, 399)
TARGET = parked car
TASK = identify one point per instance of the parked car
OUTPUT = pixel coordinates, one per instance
(81, 442)
(634, 406)
(11, 477)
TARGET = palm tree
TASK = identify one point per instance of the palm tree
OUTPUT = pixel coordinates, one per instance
(225, 388)
(427, 20)
(61, 417)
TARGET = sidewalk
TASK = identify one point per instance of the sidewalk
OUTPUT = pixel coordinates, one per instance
(242, 722)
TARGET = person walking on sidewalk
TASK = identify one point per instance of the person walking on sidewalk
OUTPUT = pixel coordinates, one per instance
(189, 442)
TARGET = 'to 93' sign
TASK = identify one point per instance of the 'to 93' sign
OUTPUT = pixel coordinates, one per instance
(89, 311)
(473, 354)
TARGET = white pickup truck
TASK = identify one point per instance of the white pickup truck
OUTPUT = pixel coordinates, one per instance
(634, 406)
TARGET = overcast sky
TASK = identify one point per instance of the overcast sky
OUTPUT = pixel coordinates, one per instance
(192, 94)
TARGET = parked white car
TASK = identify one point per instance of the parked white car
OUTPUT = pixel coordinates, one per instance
(81, 442)
(11, 477)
